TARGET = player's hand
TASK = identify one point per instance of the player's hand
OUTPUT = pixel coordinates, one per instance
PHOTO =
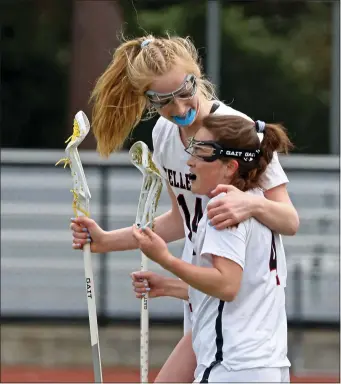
(150, 282)
(86, 230)
(231, 209)
(152, 245)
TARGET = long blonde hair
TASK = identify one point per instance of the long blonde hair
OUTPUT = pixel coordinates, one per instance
(118, 96)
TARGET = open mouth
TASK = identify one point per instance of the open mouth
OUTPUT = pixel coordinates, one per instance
(192, 176)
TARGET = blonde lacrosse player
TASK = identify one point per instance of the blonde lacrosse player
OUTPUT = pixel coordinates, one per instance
(237, 275)
(147, 76)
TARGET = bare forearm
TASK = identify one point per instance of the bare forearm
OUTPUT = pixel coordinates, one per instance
(206, 280)
(280, 217)
(176, 288)
(168, 226)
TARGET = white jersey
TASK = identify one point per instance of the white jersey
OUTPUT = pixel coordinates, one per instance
(171, 159)
(250, 331)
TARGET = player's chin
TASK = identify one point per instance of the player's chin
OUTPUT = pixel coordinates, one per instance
(195, 186)
(199, 189)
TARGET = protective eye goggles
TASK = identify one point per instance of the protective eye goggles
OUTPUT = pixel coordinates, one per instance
(210, 151)
(185, 92)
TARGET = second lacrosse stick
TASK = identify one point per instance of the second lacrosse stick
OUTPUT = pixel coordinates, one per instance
(148, 201)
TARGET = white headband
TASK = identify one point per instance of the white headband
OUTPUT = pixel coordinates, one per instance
(260, 126)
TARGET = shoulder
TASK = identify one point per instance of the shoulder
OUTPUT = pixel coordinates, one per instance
(245, 226)
(257, 229)
(226, 110)
(255, 192)
(162, 129)
(211, 200)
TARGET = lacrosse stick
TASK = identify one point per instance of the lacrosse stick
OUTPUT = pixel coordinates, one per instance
(148, 201)
(81, 202)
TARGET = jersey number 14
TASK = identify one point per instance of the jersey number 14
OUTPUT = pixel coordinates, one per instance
(192, 226)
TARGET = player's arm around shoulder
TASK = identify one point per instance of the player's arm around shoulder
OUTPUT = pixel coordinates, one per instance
(277, 211)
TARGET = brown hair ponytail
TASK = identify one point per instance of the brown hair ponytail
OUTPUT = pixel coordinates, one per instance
(275, 140)
(236, 132)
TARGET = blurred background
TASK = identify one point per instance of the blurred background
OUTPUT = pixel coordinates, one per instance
(274, 60)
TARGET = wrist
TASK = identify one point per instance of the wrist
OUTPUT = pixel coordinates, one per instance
(170, 287)
(107, 240)
(176, 288)
(257, 206)
(167, 260)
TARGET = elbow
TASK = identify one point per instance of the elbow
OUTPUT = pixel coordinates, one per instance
(294, 224)
(229, 294)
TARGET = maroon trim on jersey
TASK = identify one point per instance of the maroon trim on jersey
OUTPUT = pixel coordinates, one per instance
(273, 258)
(219, 343)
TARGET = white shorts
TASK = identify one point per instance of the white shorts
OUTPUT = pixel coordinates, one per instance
(219, 374)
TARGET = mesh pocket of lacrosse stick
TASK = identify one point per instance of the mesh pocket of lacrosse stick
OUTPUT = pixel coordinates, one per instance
(151, 185)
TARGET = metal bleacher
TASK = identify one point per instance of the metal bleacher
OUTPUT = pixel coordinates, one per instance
(42, 276)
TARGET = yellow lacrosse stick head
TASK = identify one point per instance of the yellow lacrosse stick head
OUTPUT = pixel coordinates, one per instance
(81, 127)
(80, 190)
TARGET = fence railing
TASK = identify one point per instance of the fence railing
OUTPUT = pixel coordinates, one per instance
(42, 277)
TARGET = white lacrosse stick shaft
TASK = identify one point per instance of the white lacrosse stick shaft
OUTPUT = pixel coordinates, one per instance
(149, 197)
(144, 329)
(81, 207)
